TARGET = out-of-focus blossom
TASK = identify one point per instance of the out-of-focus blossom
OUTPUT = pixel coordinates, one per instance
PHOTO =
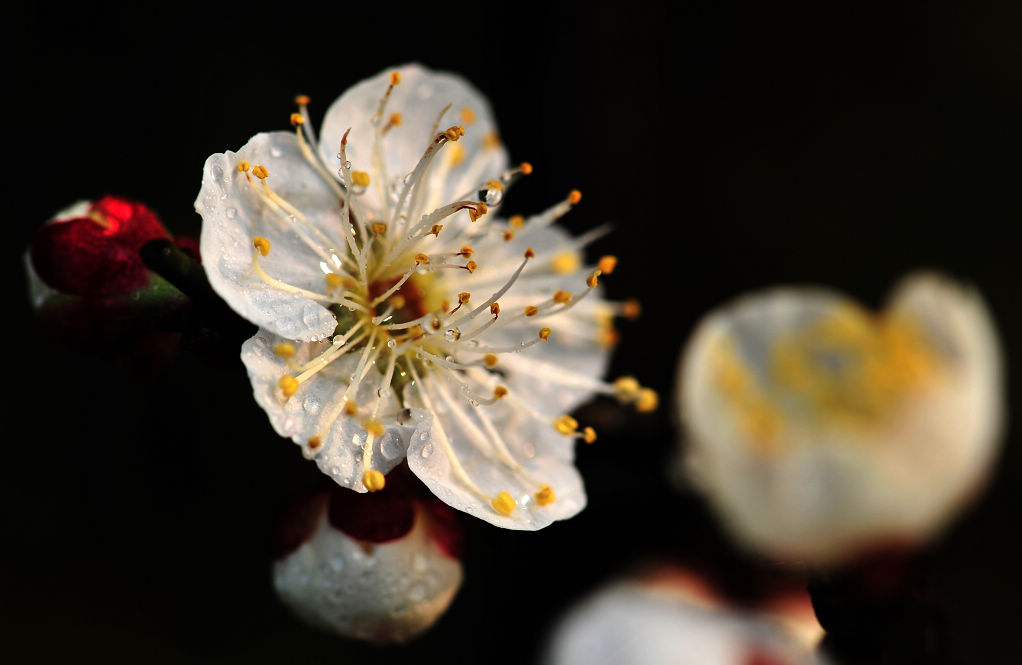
(400, 318)
(381, 567)
(637, 623)
(819, 430)
(86, 277)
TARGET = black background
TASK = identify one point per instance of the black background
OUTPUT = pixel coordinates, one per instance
(732, 146)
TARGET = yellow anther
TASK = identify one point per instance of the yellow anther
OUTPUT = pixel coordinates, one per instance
(436, 229)
(477, 211)
(315, 442)
(544, 334)
(607, 264)
(608, 338)
(350, 407)
(395, 120)
(509, 235)
(647, 401)
(360, 178)
(464, 297)
(593, 280)
(302, 100)
(516, 221)
(566, 262)
(421, 259)
(395, 78)
(503, 503)
(529, 254)
(297, 119)
(244, 166)
(627, 389)
(562, 297)
(262, 244)
(398, 301)
(333, 281)
(495, 309)
(491, 140)
(373, 480)
(260, 172)
(284, 350)
(490, 360)
(500, 391)
(374, 427)
(288, 385)
(468, 116)
(566, 425)
(471, 266)
(379, 228)
(589, 435)
(454, 133)
(545, 495)
(631, 309)
(494, 184)
(531, 310)
(525, 168)
(467, 251)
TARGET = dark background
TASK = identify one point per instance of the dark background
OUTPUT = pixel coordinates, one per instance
(733, 147)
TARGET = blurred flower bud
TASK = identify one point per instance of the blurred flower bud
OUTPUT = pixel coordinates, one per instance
(380, 566)
(662, 622)
(820, 431)
(87, 279)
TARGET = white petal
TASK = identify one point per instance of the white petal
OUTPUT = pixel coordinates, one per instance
(234, 214)
(546, 456)
(834, 488)
(299, 418)
(419, 98)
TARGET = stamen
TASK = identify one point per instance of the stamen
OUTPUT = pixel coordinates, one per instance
(607, 264)
(648, 400)
(373, 480)
(288, 385)
(566, 425)
(503, 503)
(589, 435)
(545, 495)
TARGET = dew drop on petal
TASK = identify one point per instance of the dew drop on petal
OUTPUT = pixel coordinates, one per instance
(347, 164)
(417, 593)
(275, 151)
(232, 213)
(427, 450)
(491, 196)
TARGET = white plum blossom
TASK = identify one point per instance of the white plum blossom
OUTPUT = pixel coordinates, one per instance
(640, 624)
(399, 316)
(820, 430)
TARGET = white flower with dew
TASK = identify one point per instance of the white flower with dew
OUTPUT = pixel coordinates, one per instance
(399, 316)
(820, 430)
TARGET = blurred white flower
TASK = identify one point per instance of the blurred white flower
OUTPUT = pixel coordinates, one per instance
(629, 623)
(820, 430)
(398, 316)
(381, 567)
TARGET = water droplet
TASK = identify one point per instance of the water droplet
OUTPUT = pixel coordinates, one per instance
(347, 164)
(275, 151)
(417, 593)
(491, 196)
(391, 343)
(427, 450)
(311, 404)
(358, 438)
(452, 335)
(232, 213)
(390, 447)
